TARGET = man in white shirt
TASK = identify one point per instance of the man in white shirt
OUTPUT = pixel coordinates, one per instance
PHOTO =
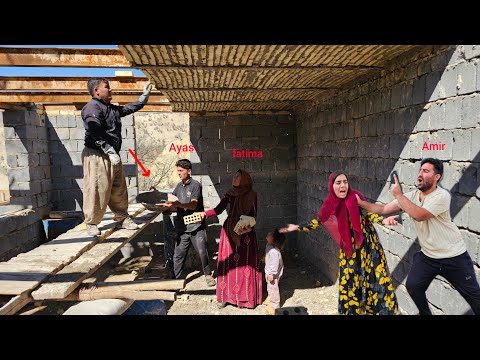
(443, 250)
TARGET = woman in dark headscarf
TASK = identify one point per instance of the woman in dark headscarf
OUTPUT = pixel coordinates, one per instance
(365, 284)
(239, 278)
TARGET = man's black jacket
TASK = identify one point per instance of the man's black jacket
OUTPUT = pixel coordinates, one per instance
(103, 124)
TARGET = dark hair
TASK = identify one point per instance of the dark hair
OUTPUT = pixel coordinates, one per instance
(93, 83)
(184, 163)
(278, 238)
(338, 173)
(437, 165)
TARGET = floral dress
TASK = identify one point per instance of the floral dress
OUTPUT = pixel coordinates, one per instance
(365, 284)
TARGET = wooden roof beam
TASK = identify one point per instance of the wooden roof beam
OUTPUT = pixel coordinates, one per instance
(68, 83)
(72, 97)
(63, 57)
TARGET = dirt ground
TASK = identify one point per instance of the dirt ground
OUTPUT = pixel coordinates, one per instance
(302, 290)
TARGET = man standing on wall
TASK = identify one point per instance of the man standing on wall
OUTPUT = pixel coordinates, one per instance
(103, 177)
(190, 200)
(443, 251)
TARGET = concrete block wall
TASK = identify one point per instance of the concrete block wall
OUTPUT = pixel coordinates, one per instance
(381, 123)
(274, 174)
(28, 171)
(66, 137)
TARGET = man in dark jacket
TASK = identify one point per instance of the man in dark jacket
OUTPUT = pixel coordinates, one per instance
(103, 177)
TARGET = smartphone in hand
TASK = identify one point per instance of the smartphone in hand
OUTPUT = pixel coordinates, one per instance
(392, 180)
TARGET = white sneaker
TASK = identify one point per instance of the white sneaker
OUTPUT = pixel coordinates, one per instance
(93, 230)
(129, 224)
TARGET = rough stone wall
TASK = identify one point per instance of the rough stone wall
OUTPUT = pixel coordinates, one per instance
(381, 123)
(66, 137)
(28, 171)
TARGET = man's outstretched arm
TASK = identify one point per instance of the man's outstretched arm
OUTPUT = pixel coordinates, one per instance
(381, 209)
(416, 212)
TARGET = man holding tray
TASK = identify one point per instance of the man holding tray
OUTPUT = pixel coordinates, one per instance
(190, 200)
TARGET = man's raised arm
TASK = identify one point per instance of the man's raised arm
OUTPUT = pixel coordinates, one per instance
(376, 208)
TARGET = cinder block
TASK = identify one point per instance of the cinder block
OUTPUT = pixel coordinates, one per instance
(470, 112)
(18, 146)
(42, 133)
(407, 93)
(460, 210)
(473, 206)
(62, 122)
(438, 137)
(386, 99)
(128, 120)
(466, 78)
(68, 146)
(472, 242)
(432, 86)
(128, 144)
(72, 121)
(447, 86)
(19, 175)
(461, 145)
(471, 51)
(46, 185)
(436, 116)
(13, 118)
(76, 133)
(27, 201)
(396, 96)
(419, 88)
(451, 302)
(40, 146)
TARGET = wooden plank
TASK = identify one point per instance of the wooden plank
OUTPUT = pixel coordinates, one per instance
(176, 284)
(93, 293)
(34, 310)
(71, 276)
(62, 57)
(65, 214)
(54, 254)
(15, 304)
(80, 105)
(26, 267)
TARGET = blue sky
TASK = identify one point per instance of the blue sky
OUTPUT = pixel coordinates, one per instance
(63, 71)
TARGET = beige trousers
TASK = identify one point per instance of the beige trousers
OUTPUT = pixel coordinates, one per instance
(103, 184)
(273, 293)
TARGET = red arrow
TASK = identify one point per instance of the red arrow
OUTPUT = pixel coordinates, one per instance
(145, 171)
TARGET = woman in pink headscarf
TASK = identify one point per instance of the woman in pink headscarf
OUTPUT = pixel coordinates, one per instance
(365, 283)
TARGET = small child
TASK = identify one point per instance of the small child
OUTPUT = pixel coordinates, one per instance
(273, 268)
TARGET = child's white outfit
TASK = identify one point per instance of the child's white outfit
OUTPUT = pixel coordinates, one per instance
(274, 267)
